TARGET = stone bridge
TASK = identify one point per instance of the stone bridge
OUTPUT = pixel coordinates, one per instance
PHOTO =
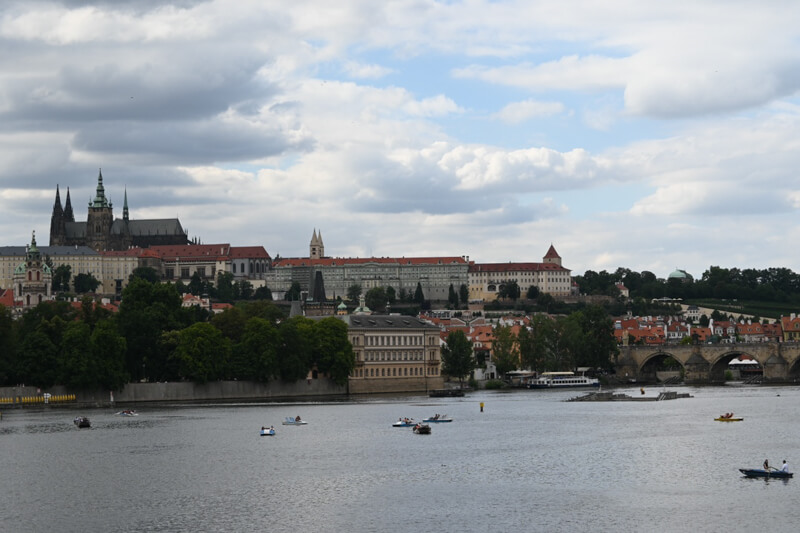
(707, 363)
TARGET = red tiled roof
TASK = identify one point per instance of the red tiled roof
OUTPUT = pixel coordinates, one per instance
(516, 267)
(336, 261)
(248, 252)
(193, 251)
(7, 298)
(551, 253)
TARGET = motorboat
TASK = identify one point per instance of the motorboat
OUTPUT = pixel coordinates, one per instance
(562, 380)
(268, 432)
(422, 429)
(404, 423)
(294, 421)
(128, 412)
(82, 422)
(760, 472)
(437, 419)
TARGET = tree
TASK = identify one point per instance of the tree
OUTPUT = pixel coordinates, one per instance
(532, 292)
(536, 343)
(504, 350)
(419, 296)
(78, 368)
(231, 323)
(8, 346)
(225, 290)
(294, 292)
(61, 276)
(297, 343)
(145, 273)
(452, 297)
(354, 293)
(333, 353)
(245, 289)
(203, 353)
(463, 294)
(509, 290)
(376, 298)
(196, 285)
(38, 361)
(85, 283)
(457, 359)
(108, 349)
(600, 346)
(391, 296)
(256, 355)
(263, 293)
(147, 310)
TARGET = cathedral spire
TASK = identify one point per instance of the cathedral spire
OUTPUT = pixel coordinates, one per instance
(125, 206)
(57, 204)
(100, 199)
(68, 215)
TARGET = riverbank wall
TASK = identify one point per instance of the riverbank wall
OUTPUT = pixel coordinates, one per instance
(133, 393)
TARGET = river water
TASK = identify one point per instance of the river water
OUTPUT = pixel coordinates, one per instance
(529, 462)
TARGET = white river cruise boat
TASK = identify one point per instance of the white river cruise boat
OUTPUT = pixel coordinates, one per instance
(561, 380)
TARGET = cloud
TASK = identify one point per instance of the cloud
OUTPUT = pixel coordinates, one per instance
(517, 112)
(358, 70)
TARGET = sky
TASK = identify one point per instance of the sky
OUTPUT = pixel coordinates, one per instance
(627, 133)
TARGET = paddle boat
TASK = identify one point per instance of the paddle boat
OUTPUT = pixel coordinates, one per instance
(404, 423)
(422, 429)
(294, 421)
(82, 422)
(437, 419)
(728, 417)
(760, 472)
(268, 431)
(128, 412)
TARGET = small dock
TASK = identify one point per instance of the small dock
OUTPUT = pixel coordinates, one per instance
(612, 397)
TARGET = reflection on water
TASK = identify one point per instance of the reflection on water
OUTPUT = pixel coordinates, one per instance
(530, 461)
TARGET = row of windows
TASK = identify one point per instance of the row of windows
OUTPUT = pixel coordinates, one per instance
(395, 356)
(393, 340)
(393, 372)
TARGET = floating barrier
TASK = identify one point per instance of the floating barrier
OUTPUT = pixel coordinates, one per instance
(39, 399)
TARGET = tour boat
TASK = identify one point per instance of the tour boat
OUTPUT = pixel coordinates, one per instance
(758, 472)
(437, 419)
(294, 421)
(82, 422)
(562, 380)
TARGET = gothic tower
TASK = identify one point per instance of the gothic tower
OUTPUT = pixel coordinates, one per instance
(316, 248)
(57, 226)
(101, 216)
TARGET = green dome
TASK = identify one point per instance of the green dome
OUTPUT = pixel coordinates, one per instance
(678, 274)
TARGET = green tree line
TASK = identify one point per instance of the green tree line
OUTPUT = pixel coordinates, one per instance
(154, 338)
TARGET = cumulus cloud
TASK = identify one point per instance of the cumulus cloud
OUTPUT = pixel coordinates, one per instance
(517, 112)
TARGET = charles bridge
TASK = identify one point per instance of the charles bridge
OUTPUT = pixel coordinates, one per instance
(707, 363)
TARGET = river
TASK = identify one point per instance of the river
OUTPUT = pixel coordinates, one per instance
(529, 462)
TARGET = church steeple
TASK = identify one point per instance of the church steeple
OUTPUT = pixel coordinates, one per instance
(68, 215)
(125, 206)
(100, 199)
(316, 248)
(56, 221)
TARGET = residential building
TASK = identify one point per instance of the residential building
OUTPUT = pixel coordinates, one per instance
(791, 327)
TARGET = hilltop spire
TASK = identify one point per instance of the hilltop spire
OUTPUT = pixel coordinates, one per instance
(100, 199)
(125, 206)
(57, 204)
(68, 215)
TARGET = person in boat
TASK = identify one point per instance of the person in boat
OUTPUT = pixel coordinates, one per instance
(766, 464)
(297, 418)
(785, 467)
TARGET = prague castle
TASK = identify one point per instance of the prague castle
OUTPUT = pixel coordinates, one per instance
(102, 232)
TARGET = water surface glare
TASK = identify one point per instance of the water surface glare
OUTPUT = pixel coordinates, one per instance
(529, 462)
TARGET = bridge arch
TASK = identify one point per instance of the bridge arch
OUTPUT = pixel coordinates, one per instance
(657, 361)
(719, 365)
